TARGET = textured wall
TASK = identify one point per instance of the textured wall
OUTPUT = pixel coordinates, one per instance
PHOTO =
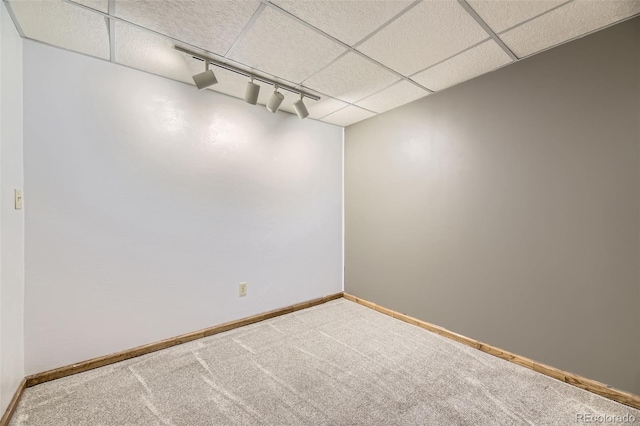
(11, 220)
(507, 208)
(150, 201)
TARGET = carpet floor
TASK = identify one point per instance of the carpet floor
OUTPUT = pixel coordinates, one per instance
(334, 364)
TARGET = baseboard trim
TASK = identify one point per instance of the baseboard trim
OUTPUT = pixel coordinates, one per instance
(90, 364)
(13, 404)
(570, 378)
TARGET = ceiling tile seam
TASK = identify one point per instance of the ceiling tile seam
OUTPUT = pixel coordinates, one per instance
(13, 18)
(140, 27)
(112, 39)
(415, 83)
(451, 57)
(376, 92)
(344, 107)
(628, 18)
(247, 27)
(326, 66)
(476, 76)
(44, 43)
(197, 48)
(333, 112)
(343, 44)
(111, 8)
(389, 22)
(508, 63)
(548, 48)
(347, 106)
(486, 27)
(534, 17)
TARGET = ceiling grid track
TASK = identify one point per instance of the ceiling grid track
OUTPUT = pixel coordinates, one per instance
(582, 35)
(451, 57)
(367, 37)
(485, 27)
(13, 18)
(345, 45)
(378, 91)
(340, 56)
(526, 21)
(112, 31)
(140, 27)
(246, 29)
(389, 22)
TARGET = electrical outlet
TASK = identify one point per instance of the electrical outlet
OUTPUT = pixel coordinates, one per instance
(242, 289)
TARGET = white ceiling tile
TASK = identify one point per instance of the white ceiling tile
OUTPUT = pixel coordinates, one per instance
(500, 15)
(347, 116)
(64, 25)
(279, 45)
(425, 35)
(567, 22)
(101, 5)
(472, 63)
(210, 25)
(351, 78)
(399, 94)
(149, 52)
(348, 21)
(325, 107)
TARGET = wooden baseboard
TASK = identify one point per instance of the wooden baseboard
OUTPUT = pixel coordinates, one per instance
(68, 370)
(13, 404)
(570, 378)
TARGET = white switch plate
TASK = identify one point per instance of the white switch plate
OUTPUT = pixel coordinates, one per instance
(17, 193)
(242, 289)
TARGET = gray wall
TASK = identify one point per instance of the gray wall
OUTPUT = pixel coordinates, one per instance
(507, 208)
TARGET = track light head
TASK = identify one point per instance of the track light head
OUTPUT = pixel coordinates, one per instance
(205, 79)
(275, 100)
(252, 92)
(300, 108)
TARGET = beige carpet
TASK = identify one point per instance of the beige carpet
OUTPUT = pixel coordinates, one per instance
(333, 364)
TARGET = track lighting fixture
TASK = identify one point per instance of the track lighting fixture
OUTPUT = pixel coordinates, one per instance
(301, 108)
(275, 100)
(252, 92)
(205, 79)
(208, 79)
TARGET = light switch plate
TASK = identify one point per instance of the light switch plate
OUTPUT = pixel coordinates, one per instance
(18, 198)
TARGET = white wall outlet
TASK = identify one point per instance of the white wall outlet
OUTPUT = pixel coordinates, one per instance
(17, 194)
(242, 289)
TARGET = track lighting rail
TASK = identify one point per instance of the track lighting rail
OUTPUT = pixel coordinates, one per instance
(246, 73)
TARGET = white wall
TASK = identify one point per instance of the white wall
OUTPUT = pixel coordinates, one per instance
(11, 220)
(150, 201)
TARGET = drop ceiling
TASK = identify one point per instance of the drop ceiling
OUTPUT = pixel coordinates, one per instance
(362, 57)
